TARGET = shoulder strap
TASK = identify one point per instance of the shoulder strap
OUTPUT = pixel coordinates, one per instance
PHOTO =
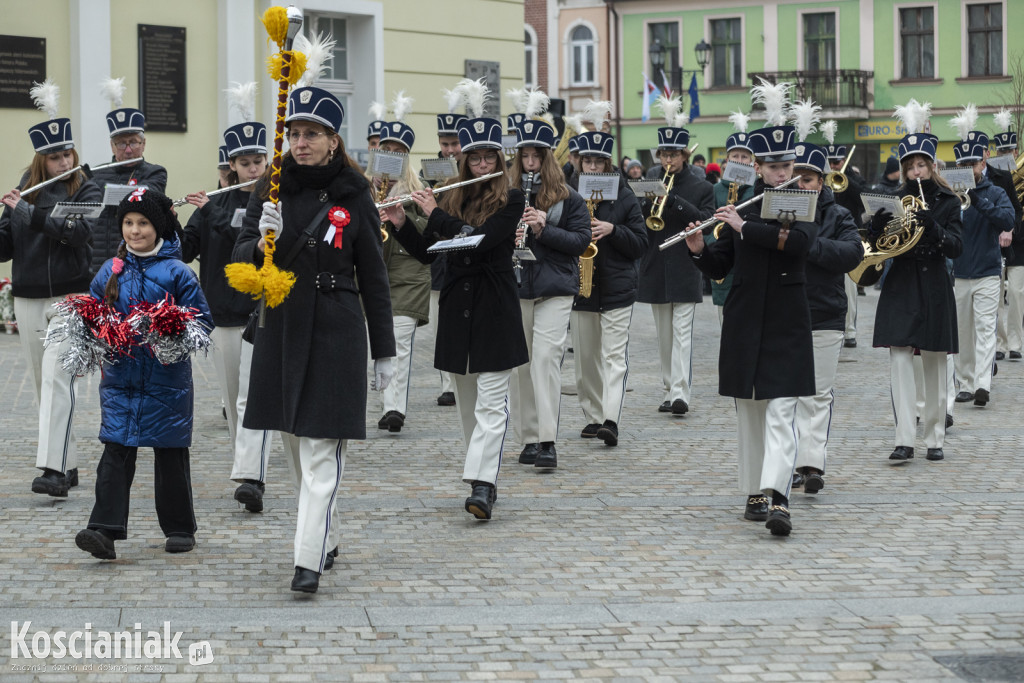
(306, 235)
(555, 213)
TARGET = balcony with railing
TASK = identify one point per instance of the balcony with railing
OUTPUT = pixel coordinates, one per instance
(842, 93)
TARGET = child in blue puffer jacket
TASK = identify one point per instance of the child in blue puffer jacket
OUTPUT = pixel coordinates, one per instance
(144, 403)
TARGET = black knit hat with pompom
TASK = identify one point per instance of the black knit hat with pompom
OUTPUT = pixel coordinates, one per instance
(153, 205)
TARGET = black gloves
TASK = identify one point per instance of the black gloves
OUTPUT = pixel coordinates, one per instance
(878, 222)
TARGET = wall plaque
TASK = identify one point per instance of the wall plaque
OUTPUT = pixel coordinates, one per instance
(491, 73)
(22, 61)
(162, 78)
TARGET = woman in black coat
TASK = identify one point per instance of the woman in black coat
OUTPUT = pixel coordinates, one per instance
(916, 309)
(479, 328)
(308, 377)
(600, 322)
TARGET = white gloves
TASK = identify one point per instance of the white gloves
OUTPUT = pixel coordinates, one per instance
(271, 218)
(383, 371)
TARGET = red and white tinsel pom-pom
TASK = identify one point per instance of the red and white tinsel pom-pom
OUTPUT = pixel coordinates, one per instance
(93, 333)
(172, 332)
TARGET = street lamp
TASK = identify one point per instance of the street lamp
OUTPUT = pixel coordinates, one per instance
(703, 53)
(656, 52)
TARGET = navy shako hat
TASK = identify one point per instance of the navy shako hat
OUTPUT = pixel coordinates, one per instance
(595, 143)
(918, 143)
(512, 121)
(673, 138)
(374, 129)
(535, 134)
(574, 145)
(972, 149)
(774, 144)
(914, 117)
(246, 138)
(222, 157)
(811, 156)
(126, 120)
(316, 105)
(51, 136)
(835, 152)
(448, 124)
(1006, 140)
(737, 141)
(399, 132)
(481, 133)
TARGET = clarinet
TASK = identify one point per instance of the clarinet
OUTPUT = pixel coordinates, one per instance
(521, 242)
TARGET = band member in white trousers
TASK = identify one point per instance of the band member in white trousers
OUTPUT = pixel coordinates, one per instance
(600, 343)
(483, 407)
(950, 388)
(904, 396)
(321, 463)
(252, 446)
(673, 324)
(536, 389)
(977, 302)
(1011, 317)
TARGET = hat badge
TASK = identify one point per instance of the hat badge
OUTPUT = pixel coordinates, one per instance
(479, 126)
(305, 96)
(597, 138)
(247, 131)
(395, 128)
(741, 137)
(970, 136)
(669, 133)
(54, 128)
(966, 147)
(777, 135)
(912, 139)
(800, 150)
(120, 117)
(448, 119)
(528, 127)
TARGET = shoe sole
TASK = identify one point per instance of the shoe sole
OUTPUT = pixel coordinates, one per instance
(608, 437)
(779, 526)
(179, 548)
(814, 485)
(251, 503)
(527, 460)
(94, 546)
(477, 511)
(664, 409)
(42, 487)
(304, 589)
(935, 458)
(545, 464)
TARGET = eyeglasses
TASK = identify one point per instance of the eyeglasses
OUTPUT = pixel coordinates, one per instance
(489, 157)
(309, 135)
(670, 154)
(121, 146)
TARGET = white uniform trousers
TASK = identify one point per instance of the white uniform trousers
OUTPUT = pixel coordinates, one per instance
(674, 326)
(252, 446)
(977, 302)
(766, 439)
(396, 396)
(1011, 318)
(446, 378)
(950, 384)
(721, 315)
(600, 343)
(227, 354)
(851, 308)
(814, 413)
(316, 466)
(55, 388)
(904, 395)
(536, 389)
(482, 399)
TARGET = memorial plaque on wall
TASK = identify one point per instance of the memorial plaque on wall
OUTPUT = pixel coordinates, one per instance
(22, 61)
(162, 78)
(491, 73)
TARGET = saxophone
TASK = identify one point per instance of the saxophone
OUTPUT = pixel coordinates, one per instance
(587, 257)
(382, 193)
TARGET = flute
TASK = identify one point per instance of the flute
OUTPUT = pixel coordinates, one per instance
(679, 237)
(184, 200)
(88, 170)
(402, 199)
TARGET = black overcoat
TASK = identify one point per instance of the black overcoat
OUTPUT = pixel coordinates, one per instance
(835, 251)
(669, 276)
(480, 324)
(916, 307)
(308, 375)
(766, 350)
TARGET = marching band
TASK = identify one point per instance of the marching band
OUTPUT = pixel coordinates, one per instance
(517, 257)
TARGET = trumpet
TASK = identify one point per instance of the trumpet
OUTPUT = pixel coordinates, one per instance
(184, 200)
(655, 222)
(837, 180)
(965, 199)
(406, 198)
(382, 192)
(680, 236)
(587, 257)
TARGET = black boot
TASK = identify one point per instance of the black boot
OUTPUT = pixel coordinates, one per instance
(305, 581)
(52, 483)
(528, 456)
(609, 433)
(394, 420)
(250, 494)
(481, 500)
(547, 458)
(96, 542)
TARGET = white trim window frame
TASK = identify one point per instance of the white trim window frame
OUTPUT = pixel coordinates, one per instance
(965, 66)
(656, 77)
(342, 88)
(708, 31)
(801, 60)
(530, 55)
(578, 52)
(898, 39)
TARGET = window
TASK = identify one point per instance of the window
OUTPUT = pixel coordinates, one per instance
(985, 39)
(335, 76)
(820, 41)
(665, 35)
(726, 69)
(581, 56)
(530, 78)
(917, 42)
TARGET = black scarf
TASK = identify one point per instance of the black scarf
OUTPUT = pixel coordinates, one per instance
(336, 176)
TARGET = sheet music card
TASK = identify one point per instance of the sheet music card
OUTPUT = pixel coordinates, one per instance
(457, 243)
(647, 188)
(599, 186)
(391, 164)
(789, 206)
(874, 202)
(440, 169)
(741, 174)
(114, 193)
(1003, 162)
(960, 179)
(77, 209)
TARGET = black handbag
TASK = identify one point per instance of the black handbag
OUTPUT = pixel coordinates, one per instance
(249, 331)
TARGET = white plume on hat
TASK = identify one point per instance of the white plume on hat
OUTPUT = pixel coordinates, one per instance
(596, 112)
(966, 121)
(476, 94)
(829, 130)
(914, 115)
(573, 123)
(669, 107)
(806, 116)
(455, 98)
(739, 121)
(774, 97)
(112, 89)
(1003, 119)
(401, 106)
(378, 111)
(537, 102)
(318, 52)
(46, 96)
(242, 98)
(518, 97)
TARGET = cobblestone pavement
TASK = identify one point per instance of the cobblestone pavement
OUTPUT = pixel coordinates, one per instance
(628, 564)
